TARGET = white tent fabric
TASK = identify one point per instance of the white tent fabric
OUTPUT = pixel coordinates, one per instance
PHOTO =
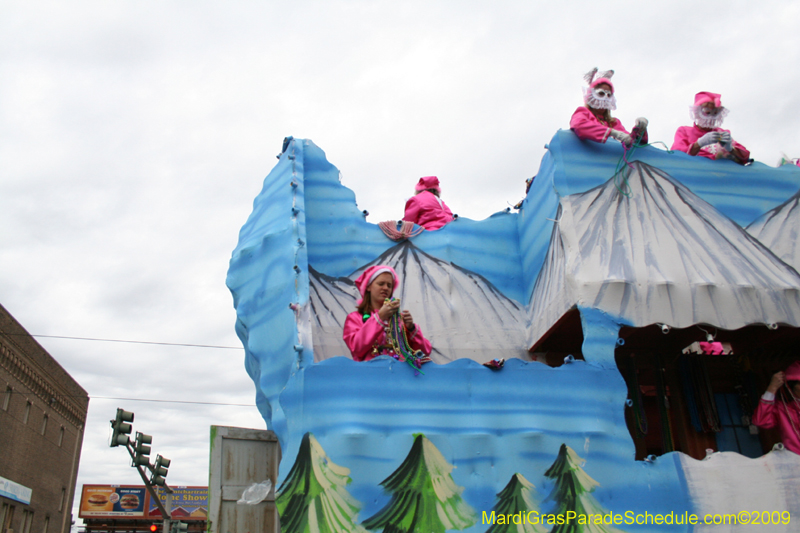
(648, 250)
(460, 312)
(779, 230)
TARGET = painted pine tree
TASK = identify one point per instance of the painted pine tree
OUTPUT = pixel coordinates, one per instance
(313, 497)
(425, 499)
(572, 492)
(515, 499)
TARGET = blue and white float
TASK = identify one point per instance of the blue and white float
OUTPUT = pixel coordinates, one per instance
(670, 239)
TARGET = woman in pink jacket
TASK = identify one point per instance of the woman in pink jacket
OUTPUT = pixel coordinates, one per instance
(780, 407)
(594, 122)
(706, 138)
(366, 331)
(425, 208)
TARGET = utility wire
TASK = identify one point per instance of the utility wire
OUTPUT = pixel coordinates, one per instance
(170, 401)
(131, 342)
(138, 342)
(24, 393)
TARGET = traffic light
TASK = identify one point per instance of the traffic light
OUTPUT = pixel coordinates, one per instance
(142, 450)
(179, 527)
(159, 471)
(122, 428)
(153, 528)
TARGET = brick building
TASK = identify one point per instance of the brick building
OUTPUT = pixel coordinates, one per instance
(42, 418)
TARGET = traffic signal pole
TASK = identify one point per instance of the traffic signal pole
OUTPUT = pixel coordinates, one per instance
(153, 495)
(139, 452)
(167, 526)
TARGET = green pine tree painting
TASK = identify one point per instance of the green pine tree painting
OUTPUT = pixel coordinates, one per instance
(313, 497)
(425, 499)
(515, 500)
(572, 492)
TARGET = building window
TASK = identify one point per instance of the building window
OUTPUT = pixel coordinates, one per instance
(61, 437)
(27, 412)
(27, 519)
(9, 518)
(44, 424)
(63, 498)
(7, 397)
(3, 512)
(46, 524)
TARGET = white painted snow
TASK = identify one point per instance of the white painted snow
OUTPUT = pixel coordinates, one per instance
(659, 254)
(460, 312)
(727, 483)
(778, 230)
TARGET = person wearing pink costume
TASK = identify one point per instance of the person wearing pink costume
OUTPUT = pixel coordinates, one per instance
(706, 138)
(366, 330)
(594, 122)
(425, 208)
(782, 412)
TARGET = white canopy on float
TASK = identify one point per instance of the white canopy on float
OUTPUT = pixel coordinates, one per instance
(648, 250)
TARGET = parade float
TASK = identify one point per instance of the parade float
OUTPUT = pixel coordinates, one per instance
(640, 304)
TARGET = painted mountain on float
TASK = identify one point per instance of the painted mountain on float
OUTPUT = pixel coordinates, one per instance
(778, 230)
(648, 250)
(331, 300)
(459, 311)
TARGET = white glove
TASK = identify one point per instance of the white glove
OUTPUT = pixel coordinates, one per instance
(709, 138)
(641, 123)
(621, 136)
(726, 141)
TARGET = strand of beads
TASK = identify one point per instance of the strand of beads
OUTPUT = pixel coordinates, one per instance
(399, 341)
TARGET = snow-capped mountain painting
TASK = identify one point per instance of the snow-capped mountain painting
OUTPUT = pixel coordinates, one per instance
(459, 311)
(331, 300)
(778, 230)
(651, 251)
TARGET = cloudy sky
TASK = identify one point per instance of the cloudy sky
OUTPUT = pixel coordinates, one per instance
(135, 135)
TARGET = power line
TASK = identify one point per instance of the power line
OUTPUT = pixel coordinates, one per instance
(170, 401)
(140, 342)
(23, 393)
(131, 342)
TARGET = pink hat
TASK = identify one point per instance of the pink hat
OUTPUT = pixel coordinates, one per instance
(428, 182)
(602, 77)
(368, 276)
(793, 372)
(598, 81)
(705, 96)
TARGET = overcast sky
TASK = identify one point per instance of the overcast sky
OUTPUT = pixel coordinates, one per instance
(134, 137)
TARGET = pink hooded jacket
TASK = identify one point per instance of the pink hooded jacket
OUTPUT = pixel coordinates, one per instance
(367, 338)
(686, 136)
(588, 127)
(427, 210)
(783, 415)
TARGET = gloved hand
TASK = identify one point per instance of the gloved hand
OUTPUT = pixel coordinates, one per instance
(726, 141)
(622, 137)
(641, 123)
(709, 138)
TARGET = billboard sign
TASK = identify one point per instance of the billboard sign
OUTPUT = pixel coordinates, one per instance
(188, 503)
(113, 501)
